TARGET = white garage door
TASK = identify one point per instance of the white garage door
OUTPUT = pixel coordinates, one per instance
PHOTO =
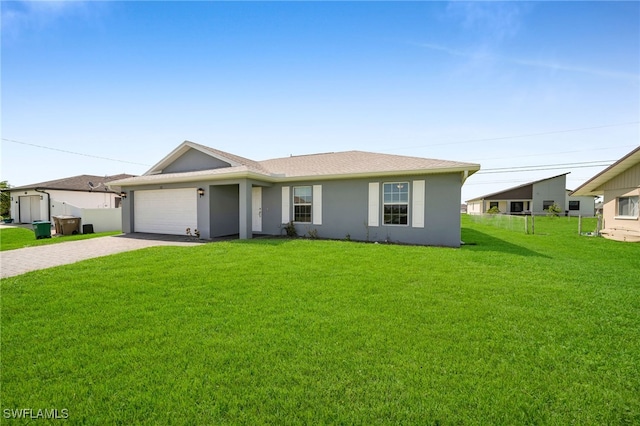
(165, 211)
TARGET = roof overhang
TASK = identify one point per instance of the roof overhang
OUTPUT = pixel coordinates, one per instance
(594, 185)
(242, 172)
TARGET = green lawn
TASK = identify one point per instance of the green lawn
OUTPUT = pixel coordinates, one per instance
(509, 329)
(15, 238)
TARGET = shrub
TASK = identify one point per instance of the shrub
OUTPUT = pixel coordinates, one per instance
(493, 210)
(554, 210)
(290, 229)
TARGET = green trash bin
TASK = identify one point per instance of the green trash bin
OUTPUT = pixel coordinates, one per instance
(42, 228)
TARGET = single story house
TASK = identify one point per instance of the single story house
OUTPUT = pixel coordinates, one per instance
(41, 201)
(620, 186)
(340, 195)
(534, 198)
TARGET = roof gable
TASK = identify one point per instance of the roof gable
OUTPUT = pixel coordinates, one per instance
(595, 185)
(192, 157)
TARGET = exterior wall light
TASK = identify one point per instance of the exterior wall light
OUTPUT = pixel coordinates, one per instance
(123, 194)
(201, 192)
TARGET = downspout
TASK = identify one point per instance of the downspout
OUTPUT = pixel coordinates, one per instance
(48, 202)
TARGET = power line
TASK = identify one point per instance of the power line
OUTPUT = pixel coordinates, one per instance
(73, 152)
(541, 168)
(555, 153)
(548, 165)
(518, 136)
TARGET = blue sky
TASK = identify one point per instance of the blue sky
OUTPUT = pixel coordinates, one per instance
(504, 84)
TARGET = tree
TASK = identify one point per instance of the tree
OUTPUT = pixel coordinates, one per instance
(5, 199)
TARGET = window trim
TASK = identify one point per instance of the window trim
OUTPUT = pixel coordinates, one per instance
(627, 217)
(294, 204)
(546, 203)
(574, 209)
(407, 203)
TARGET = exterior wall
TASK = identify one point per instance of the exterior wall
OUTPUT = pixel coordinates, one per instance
(85, 200)
(630, 178)
(193, 160)
(610, 211)
(225, 209)
(224, 206)
(474, 207)
(38, 208)
(345, 211)
(587, 206)
(550, 189)
(103, 220)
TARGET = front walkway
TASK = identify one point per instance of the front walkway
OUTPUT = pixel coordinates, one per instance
(20, 261)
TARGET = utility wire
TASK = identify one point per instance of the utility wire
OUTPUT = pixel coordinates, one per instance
(541, 169)
(595, 164)
(73, 152)
(518, 136)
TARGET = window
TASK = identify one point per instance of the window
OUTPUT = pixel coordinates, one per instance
(396, 203)
(546, 204)
(574, 205)
(302, 204)
(628, 206)
(517, 206)
(493, 204)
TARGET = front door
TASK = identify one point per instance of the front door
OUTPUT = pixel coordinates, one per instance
(256, 209)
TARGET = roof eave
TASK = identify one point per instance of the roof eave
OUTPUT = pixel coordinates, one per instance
(244, 174)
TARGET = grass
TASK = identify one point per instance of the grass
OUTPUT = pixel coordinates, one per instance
(509, 329)
(15, 238)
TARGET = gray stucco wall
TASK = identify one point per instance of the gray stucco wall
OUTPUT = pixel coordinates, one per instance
(345, 211)
(193, 160)
(225, 216)
(549, 190)
(345, 205)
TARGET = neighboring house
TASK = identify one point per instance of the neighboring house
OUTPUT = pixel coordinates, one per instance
(345, 195)
(620, 186)
(534, 198)
(42, 201)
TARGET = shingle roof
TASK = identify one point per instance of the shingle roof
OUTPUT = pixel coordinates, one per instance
(356, 162)
(250, 164)
(327, 165)
(76, 183)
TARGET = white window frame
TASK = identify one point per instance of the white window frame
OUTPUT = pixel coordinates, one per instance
(393, 203)
(295, 204)
(637, 207)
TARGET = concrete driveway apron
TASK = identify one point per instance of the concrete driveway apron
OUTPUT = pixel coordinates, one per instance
(20, 261)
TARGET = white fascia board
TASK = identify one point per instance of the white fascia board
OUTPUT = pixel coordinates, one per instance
(365, 175)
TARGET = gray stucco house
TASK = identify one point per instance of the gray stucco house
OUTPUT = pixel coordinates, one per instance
(360, 195)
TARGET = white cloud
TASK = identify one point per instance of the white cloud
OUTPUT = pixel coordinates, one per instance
(21, 16)
(493, 20)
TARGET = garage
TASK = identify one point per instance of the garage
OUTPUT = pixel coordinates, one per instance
(165, 211)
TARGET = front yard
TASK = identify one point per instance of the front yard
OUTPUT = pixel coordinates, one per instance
(509, 329)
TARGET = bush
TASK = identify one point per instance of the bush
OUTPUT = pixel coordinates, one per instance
(493, 210)
(554, 210)
(290, 229)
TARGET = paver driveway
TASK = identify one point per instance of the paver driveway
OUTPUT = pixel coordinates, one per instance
(20, 261)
